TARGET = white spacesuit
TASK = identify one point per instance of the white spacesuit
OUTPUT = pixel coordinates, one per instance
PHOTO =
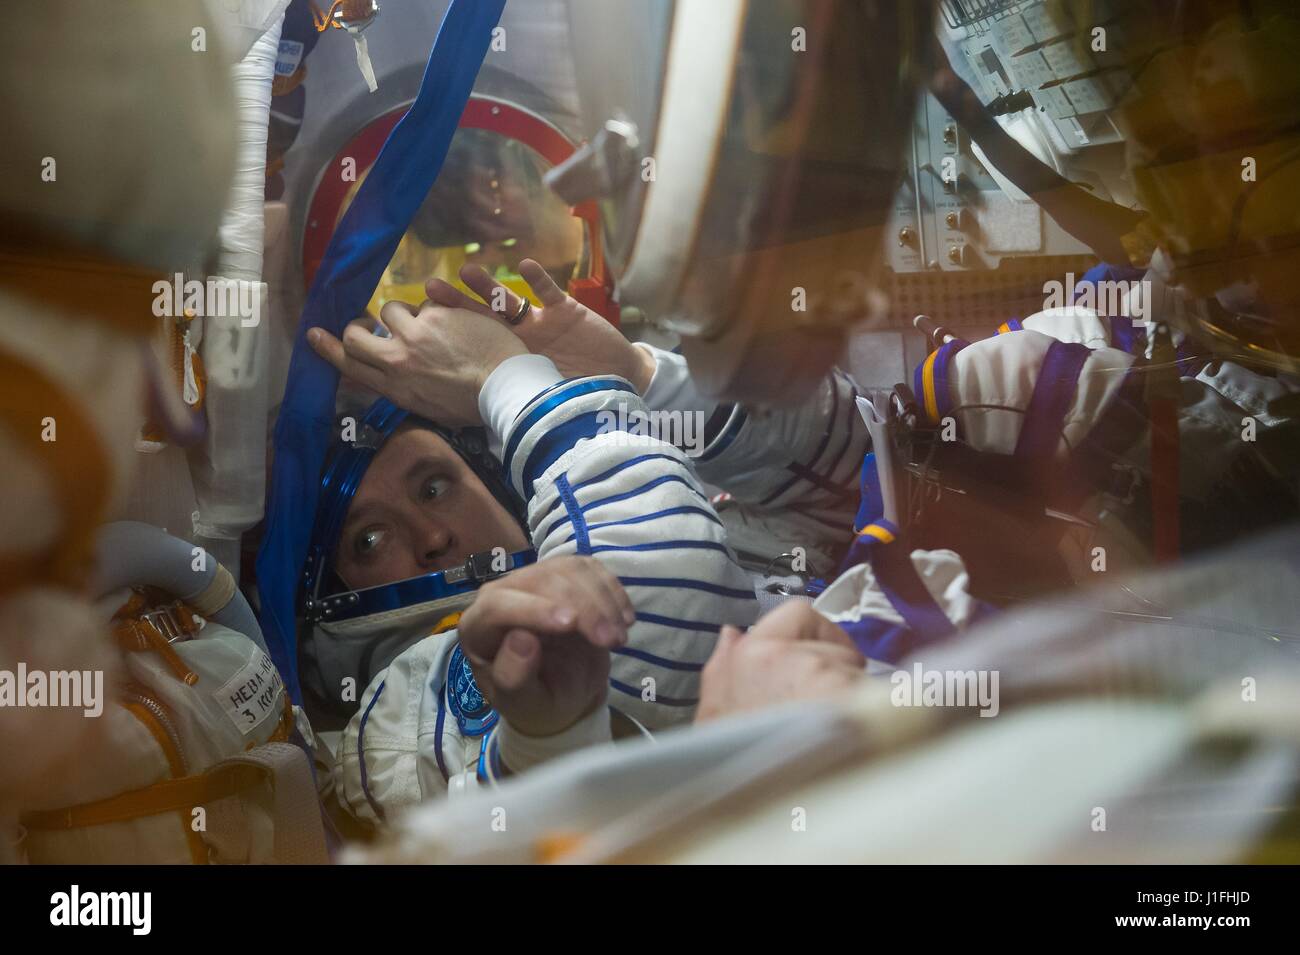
(635, 503)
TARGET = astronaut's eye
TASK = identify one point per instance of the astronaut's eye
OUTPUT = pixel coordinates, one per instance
(432, 488)
(368, 541)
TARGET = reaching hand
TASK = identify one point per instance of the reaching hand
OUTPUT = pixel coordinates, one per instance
(579, 341)
(434, 364)
(538, 641)
(793, 653)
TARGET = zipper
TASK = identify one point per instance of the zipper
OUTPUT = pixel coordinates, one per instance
(139, 701)
(156, 709)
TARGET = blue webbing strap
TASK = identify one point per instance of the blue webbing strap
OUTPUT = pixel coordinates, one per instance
(360, 249)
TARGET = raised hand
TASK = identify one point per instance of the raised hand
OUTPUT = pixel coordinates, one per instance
(434, 363)
(578, 340)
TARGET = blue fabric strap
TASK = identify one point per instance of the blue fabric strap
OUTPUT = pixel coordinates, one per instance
(902, 585)
(1058, 380)
(361, 248)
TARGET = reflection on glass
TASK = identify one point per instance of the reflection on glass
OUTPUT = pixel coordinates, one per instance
(489, 207)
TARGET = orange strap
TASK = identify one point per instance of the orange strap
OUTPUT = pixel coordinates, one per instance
(169, 795)
(77, 280)
(77, 465)
(136, 634)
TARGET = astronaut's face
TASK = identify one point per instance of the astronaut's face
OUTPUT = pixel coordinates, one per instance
(420, 508)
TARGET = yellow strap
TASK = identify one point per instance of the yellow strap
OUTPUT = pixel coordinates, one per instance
(927, 384)
(882, 534)
(448, 622)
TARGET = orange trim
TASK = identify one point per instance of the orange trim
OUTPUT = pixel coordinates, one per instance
(142, 635)
(169, 795)
(78, 469)
(198, 850)
(882, 534)
(78, 280)
(448, 622)
(554, 846)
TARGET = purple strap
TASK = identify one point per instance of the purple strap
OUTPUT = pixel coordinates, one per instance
(1058, 380)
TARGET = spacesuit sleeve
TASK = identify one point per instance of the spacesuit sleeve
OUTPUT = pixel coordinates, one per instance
(395, 752)
(1027, 393)
(596, 485)
(799, 461)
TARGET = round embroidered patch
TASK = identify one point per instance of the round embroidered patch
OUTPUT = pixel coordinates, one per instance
(473, 713)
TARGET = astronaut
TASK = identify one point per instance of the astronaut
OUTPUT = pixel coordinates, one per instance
(416, 516)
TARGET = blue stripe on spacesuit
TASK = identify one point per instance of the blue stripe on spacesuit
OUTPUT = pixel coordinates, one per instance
(549, 389)
(625, 495)
(531, 418)
(661, 700)
(662, 545)
(697, 626)
(633, 493)
(575, 514)
(361, 753)
(437, 737)
(559, 441)
(642, 518)
(682, 582)
(604, 475)
(1058, 381)
(658, 661)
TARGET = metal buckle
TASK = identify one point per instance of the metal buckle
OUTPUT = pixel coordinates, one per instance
(478, 567)
(166, 620)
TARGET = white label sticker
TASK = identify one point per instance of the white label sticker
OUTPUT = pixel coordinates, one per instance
(288, 57)
(252, 694)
